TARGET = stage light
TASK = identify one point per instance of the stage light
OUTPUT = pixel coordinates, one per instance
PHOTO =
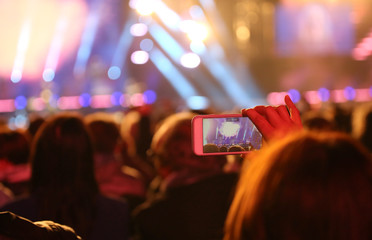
(87, 41)
(243, 33)
(114, 72)
(37, 104)
(29, 32)
(20, 102)
(181, 84)
(166, 42)
(198, 47)
(276, 98)
(338, 96)
(229, 129)
(20, 121)
(55, 49)
(194, 30)
(349, 93)
(85, 100)
(169, 17)
(101, 101)
(46, 95)
(22, 47)
(146, 45)
(196, 12)
(115, 98)
(190, 60)
(139, 57)
(295, 95)
(138, 29)
(149, 96)
(69, 103)
(323, 94)
(7, 105)
(312, 97)
(16, 76)
(48, 75)
(144, 7)
(198, 102)
(125, 100)
(137, 100)
(125, 41)
(362, 95)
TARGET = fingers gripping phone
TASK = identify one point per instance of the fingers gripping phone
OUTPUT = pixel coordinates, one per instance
(224, 134)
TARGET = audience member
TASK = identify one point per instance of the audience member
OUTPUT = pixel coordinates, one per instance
(210, 148)
(235, 148)
(113, 177)
(35, 123)
(304, 185)
(314, 120)
(63, 186)
(191, 193)
(15, 171)
(362, 125)
(136, 131)
(15, 227)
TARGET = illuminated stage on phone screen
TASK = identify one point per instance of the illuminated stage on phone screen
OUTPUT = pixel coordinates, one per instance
(236, 134)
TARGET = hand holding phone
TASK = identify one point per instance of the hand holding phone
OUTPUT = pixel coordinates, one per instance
(275, 121)
(224, 134)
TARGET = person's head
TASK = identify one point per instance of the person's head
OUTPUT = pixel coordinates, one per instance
(62, 155)
(136, 131)
(306, 186)
(14, 146)
(362, 125)
(316, 121)
(172, 146)
(210, 148)
(105, 132)
(35, 123)
(62, 171)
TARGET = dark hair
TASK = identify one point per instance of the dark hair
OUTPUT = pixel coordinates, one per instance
(105, 132)
(15, 146)
(63, 173)
(306, 186)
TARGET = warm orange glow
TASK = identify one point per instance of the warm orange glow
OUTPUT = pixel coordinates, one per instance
(43, 17)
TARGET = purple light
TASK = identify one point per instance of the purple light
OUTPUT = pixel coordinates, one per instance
(295, 95)
(85, 100)
(115, 98)
(149, 96)
(324, 94)
(20, 102)
(349, 93)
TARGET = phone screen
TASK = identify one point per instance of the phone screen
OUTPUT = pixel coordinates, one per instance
(230, 134)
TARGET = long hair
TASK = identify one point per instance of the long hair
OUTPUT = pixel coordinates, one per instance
(63, 173)
(307, 186)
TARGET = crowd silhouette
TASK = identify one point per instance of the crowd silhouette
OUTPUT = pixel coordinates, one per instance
(94, 176)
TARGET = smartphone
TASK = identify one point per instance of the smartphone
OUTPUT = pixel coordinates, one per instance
(224, 134)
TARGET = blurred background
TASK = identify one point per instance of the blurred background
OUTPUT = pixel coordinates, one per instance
(110, 55)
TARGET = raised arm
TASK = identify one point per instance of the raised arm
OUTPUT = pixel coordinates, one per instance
(274, 122)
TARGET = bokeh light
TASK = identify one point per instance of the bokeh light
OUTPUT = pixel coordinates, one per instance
(139, 57)
(190, 60)
(114, 73)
